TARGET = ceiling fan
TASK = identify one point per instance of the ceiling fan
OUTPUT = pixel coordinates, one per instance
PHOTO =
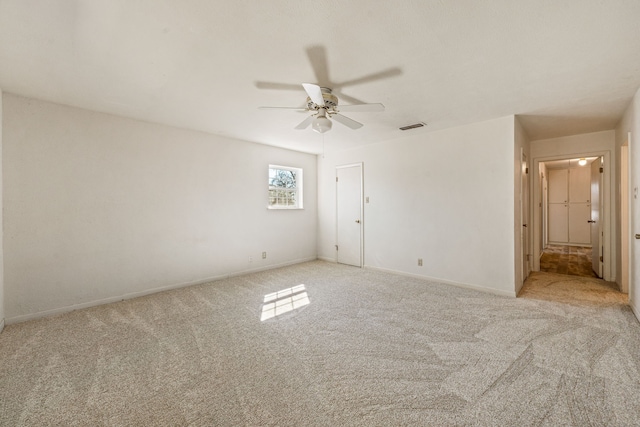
(324, 105)
(322, 101)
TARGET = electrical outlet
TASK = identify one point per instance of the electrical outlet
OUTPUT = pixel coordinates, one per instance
(419, 262)
(264, 255)
(250, 259)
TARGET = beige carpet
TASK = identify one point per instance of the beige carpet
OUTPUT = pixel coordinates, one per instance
(369, 349)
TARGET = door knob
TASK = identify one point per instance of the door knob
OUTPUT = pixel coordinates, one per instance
(637, 236)
(357, 221)
(591, 221)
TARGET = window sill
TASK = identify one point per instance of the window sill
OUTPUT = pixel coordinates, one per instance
(284, 208)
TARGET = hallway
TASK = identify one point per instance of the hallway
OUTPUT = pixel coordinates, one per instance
(572, 260)
(573, 290)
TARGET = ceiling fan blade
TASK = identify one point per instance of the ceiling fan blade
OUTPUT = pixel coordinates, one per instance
(344, 97)
(318, 57)
(391, 72)
(284, 108)
(305, 123)
(314, 92)
(361, 107)
(350, 123)
(277, 86)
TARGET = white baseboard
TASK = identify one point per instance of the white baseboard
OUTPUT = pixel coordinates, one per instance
(1, 325)
(324, 258)
(447, 282)
(635, 310)
(66, 309)
(269, 267)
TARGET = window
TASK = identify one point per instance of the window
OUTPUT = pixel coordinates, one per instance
(285, 187)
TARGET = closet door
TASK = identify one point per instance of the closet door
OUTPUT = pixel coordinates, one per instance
(558, 220)
(558, 185)
(579, 185)
(558, 223)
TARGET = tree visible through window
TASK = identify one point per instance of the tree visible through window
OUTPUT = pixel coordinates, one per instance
(285, 187)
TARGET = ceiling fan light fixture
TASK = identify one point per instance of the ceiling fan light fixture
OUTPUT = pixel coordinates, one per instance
(321, 124)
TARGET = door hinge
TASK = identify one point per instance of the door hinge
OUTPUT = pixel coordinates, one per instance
(526, 171)
(336, 179)
(601, 170)
(601, 258)
(336, 247)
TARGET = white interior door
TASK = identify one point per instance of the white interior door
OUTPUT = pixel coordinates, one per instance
(579, 230)
(524, 210)
(349, 214)
(595, 221)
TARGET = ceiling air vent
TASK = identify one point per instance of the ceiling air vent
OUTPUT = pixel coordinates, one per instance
(414, 126)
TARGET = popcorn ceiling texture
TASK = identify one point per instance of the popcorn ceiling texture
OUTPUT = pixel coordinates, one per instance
(371, 348)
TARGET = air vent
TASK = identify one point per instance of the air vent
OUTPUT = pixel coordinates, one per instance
(414, 126)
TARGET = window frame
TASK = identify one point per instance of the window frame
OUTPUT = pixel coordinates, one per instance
(297, 190)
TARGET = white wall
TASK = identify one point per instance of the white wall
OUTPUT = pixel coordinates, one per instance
(521, 144)
(99, 207)
(1, 228)
(445, 196)
(584, 145)
(631, 123)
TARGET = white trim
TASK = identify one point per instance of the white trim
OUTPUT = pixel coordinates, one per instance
(66, 309)
(635, 310)
(510, 294)
(324, 258)
(633, 267)
(1, 325)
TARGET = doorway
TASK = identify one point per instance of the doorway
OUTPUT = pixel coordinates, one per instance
(349, 215)
(570, 205)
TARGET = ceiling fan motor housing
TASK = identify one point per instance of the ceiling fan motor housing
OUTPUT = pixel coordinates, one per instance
(330, 100)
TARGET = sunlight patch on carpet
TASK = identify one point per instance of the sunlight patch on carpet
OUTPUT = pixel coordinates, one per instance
(284, 301)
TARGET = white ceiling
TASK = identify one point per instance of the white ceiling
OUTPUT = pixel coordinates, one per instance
(566, 67)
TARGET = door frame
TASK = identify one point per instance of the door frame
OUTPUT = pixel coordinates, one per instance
(606, 208)
(598, 227)
(625, 216)
(543, 212)
(525, 216)
(361, 166)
